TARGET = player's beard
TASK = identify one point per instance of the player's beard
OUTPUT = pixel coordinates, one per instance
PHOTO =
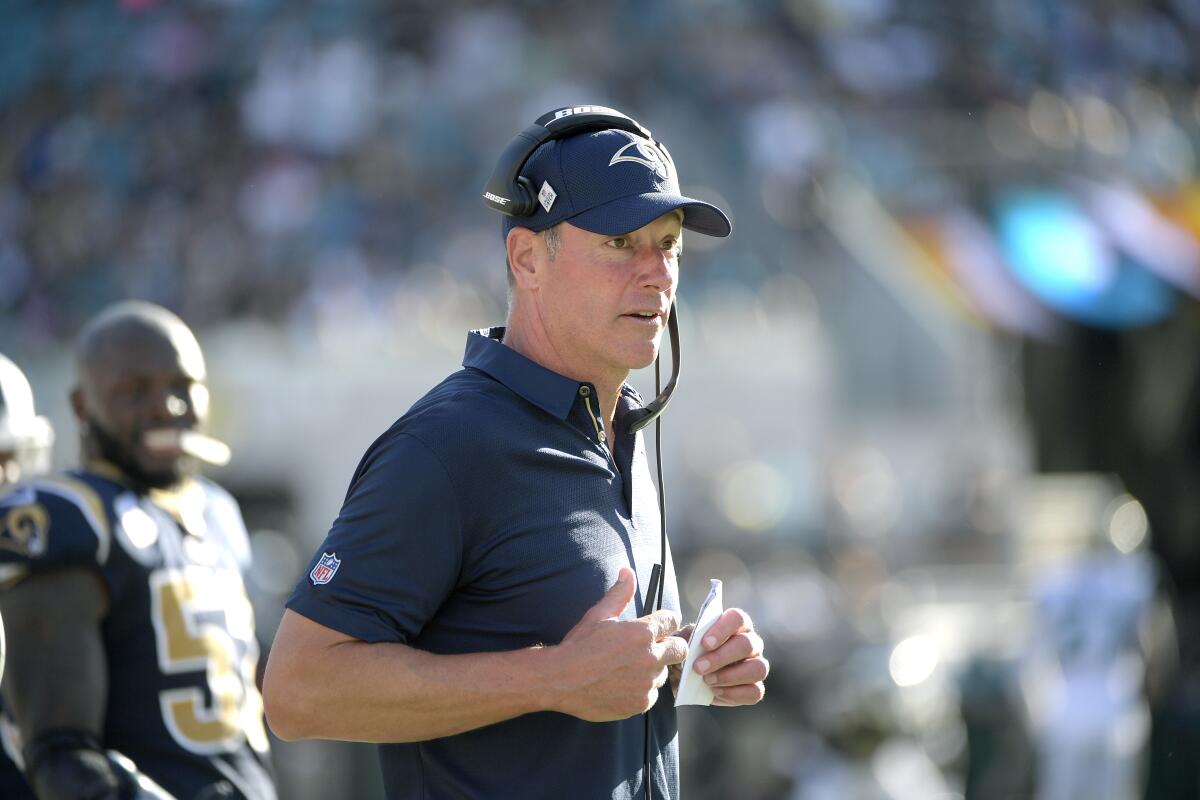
(113, 450)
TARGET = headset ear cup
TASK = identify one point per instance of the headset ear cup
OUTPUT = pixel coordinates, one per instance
(524, 204)
(510, 193)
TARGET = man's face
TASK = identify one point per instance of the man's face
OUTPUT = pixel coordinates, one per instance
(604, 299)
(143, 384)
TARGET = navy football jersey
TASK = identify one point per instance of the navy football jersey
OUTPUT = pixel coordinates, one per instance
(179, 633)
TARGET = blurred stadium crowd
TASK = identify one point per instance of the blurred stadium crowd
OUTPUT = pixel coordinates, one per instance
(959, 308)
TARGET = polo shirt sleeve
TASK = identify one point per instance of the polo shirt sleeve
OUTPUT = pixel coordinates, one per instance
(394, 552)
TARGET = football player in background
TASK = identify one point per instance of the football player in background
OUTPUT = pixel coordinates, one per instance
(132, 650)
(25, 441)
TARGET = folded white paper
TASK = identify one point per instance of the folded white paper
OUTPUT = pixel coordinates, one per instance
(693, 691)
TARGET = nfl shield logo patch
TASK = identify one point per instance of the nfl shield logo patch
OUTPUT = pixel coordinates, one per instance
(323, 572)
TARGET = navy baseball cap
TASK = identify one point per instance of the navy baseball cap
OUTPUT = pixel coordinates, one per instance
(610, 182)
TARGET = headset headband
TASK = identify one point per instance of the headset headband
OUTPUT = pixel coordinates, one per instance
(510, 193)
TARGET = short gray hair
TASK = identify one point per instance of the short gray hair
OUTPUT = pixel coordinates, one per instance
(553, 241)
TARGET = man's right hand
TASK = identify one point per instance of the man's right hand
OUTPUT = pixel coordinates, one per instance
(609, 668)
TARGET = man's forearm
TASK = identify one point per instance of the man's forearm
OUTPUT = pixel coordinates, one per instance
(321, 683)
(384, 692)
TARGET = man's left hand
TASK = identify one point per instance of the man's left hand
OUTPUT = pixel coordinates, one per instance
(731, 661)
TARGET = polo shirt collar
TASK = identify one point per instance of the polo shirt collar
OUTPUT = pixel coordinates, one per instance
(553, 393)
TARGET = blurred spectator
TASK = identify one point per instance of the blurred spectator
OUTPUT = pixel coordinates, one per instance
(1088, 664)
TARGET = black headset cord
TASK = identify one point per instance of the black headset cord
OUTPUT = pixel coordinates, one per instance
(654, 592)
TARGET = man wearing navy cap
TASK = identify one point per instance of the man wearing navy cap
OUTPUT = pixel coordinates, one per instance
(480, 607)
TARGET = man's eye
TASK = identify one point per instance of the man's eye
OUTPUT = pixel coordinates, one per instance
(620, 242)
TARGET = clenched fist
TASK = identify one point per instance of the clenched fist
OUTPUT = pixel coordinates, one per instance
(609, 669)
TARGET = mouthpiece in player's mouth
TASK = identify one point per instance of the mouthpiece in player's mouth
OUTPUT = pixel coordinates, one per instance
(206, 448)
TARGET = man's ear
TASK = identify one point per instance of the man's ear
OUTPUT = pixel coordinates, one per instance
(79, 404)
(524, 257)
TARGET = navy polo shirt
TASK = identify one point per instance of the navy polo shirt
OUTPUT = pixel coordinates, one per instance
(491, 517)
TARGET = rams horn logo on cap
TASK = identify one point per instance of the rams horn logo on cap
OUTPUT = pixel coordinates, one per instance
(650, 156)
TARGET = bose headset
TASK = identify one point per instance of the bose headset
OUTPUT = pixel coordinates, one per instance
(514, 195)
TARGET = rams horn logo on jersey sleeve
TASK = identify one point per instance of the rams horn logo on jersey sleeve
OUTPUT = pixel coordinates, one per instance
(25, 529)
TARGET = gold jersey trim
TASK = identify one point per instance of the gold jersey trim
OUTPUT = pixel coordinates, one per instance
(87, 500)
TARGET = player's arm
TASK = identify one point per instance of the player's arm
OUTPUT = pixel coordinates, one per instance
(53, 601)
(321, 683)
(56, 678)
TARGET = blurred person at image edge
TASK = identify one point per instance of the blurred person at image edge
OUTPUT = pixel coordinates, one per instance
(25, 442)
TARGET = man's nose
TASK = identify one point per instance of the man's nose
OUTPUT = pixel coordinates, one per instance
(658, 268)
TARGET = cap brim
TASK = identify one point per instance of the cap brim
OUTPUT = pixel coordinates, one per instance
(629, 213)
